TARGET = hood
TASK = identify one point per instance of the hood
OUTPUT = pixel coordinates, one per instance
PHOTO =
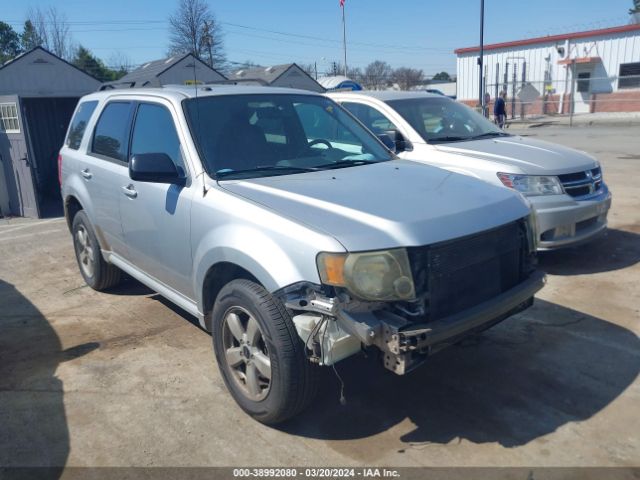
(385, 205)
(524, 155)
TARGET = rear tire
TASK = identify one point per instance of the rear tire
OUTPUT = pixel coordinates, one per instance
(97, 273)
(260, 355)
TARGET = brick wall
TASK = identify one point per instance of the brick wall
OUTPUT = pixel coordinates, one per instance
(620, 101)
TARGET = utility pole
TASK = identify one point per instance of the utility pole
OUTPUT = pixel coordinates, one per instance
(344, 38)
(480, 58)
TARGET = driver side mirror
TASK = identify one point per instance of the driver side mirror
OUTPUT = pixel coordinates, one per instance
(401, 144)
(155, 168)
(386, 139)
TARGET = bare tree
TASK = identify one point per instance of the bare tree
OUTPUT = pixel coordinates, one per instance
(407, 77)
(309, 68)
(377, 75)
(194, 29)
(52, 30)
(120, 61)
(59, 33)
(38, 19)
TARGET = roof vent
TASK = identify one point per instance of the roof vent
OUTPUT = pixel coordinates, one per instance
(240, 73)
(146, 65)
(169, 60)
(269, 69)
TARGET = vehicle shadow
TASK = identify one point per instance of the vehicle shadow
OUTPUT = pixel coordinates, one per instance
(614, 250)
(33, 424)
(523, 379)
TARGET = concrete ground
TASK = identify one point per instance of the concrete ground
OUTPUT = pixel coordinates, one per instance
(124, 378)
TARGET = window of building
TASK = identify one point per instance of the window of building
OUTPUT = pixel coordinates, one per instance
(112, 131)
(584, 82)
(79, 123)
(9, 118)
(629, 75)
(155, 132)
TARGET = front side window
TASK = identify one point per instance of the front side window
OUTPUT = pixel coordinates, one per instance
(244, 136)
(9, 122)
(439, 120)
(79, 123)
(373, 119)
(154, 132)
(111, 133)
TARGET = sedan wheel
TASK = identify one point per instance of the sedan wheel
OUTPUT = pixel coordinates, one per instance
(86, 254)
(246, 352)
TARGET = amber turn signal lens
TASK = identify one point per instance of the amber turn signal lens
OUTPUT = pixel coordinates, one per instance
(331, 268)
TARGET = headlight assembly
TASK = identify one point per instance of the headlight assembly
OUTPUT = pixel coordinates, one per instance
(378, 276)
(532, 185)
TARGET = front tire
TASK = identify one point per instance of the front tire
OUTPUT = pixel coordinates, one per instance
(260, 355)
(97, 273)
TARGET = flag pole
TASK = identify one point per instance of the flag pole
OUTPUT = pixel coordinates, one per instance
(344, 38)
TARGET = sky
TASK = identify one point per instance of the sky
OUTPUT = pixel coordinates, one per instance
(413, 33)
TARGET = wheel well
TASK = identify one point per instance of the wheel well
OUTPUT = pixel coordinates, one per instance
(71, 207)
(217, 277)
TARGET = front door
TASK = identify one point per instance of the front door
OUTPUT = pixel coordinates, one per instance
(156, 216)
(15, 159)
(583, 91)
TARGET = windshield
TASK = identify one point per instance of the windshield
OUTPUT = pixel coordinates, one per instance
(440, 120)
(246, 136)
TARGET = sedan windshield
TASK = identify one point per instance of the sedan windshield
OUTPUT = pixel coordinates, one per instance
(441, 120)
(258, 135)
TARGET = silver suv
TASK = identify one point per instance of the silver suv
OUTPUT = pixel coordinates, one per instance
(290, 231)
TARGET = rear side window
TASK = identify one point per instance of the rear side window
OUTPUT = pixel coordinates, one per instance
(155, 132)
(111, 135)
(79, 124)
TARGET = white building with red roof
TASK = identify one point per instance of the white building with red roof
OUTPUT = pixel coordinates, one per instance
(599, 69)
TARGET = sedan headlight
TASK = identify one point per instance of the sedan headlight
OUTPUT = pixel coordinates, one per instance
(532, 185)
(378, 276)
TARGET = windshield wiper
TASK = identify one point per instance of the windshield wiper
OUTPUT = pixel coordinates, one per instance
(343, 164)
(491, 134)
(448, 139)
(271, 168)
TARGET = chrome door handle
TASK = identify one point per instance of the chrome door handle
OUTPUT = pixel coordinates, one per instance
(130, 191)
(86, 173)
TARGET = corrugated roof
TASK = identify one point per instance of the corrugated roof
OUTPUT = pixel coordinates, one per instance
(552, 38)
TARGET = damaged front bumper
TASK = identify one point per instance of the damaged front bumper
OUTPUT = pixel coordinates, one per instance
(405, 341)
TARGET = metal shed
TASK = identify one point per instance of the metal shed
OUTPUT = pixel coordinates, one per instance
(180, 69)
(288, 75)
(38, 94)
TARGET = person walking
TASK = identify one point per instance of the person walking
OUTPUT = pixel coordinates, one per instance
(487, 102)
(500, 109)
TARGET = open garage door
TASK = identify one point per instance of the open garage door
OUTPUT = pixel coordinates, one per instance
(46, 122)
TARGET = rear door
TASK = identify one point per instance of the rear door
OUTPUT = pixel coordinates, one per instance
(15, 159)
(104, 170)
(156, 216)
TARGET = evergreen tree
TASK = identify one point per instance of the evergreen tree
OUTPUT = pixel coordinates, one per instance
(30, 38)
(9, 43)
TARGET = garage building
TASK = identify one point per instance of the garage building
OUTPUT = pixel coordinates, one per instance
(177, 70)
(38, 94)
(599, 68)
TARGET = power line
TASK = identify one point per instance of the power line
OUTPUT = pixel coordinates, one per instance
(235, 25)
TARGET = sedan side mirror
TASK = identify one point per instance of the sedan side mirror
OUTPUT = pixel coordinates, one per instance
(155, 168)
(401, 144)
